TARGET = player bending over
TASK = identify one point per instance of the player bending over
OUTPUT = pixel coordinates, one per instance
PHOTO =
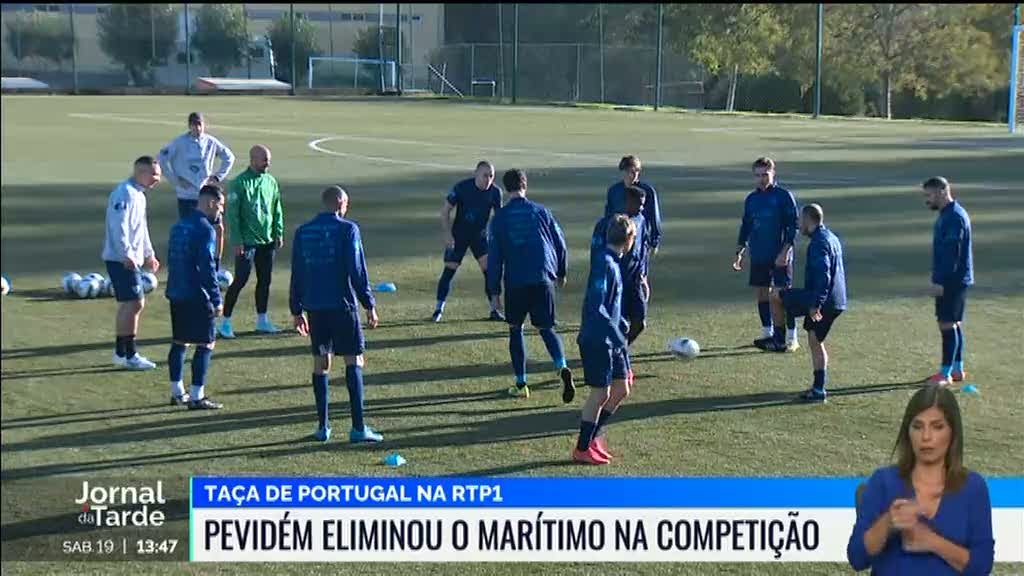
(823, 298)
(328, 283)
(602, 342)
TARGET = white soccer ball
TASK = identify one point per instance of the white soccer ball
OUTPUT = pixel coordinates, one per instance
(149, 282)
(224, 278)
(95, 276)
(87, 288)
(108, 288)
(69, 281)
(684, 347)
(5, 286)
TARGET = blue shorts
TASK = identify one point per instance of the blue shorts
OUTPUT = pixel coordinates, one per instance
(127, 283)
(336, 331)
(797, 304)
(634, 303)
(537, 300)
(477, 243)
(602, 365)
(950, 306)
(185, 207)
(766, 274)
(191, 322)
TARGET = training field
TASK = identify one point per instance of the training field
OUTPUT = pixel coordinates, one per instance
(437, 392)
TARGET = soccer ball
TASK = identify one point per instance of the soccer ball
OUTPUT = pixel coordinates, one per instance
(87, 288)
(149, 282)
(224, 279)
(684, 347)
(108, 287)
(5, 286)
(69, 281)
(96, 276)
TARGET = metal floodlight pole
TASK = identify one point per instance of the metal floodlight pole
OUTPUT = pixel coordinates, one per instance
(600, 44)
(74, 49)
(657, 76)
(188, 55)
(291, 17)
(248, 43)
(380, 43)
(501, 51)
(330, 26)
(398, 47)
(817, 61)
(515, 51)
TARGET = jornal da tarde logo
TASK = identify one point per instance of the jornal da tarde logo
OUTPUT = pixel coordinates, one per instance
(122, 505)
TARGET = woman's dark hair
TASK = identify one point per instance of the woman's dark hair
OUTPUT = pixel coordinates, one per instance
(945, 401)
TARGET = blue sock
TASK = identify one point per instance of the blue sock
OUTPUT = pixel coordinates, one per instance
(487, 293)
(602, 420)
(948, 349)
(200, 364)
(958, 356)
(320, 394)
(444, 285)
(586, 435)
(354, 381)
(779, 334)
(517, 349)
(820, 379)
(764, 310)
(790, 322)
(176, 361)
(554, 346)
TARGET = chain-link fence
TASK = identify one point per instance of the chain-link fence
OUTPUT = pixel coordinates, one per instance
(902, 60)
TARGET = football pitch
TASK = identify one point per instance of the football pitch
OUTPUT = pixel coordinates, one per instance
(437, 391)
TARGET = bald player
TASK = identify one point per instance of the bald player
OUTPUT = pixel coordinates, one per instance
(329, 283)
(256, 229)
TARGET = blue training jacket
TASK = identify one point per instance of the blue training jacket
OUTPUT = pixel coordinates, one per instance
(952, 252)
(602, 323)
(824, 272)
(191, 261)
(633, 264)
(525, 246)
(328, 266)
(769, 221)
(616, 204)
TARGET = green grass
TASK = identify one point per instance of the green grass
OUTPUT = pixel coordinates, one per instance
(435, 390)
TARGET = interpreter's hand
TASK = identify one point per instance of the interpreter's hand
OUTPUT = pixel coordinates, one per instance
(301, 325)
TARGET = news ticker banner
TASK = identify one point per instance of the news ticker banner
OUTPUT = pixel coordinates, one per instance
(543, 519)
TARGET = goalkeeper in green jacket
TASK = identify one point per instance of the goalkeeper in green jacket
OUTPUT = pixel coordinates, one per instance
(255, 222)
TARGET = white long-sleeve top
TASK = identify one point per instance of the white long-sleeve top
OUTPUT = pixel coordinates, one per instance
(127, 231)
(192, 159)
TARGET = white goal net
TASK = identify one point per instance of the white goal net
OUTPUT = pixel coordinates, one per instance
(353, 73)
(1016, 115)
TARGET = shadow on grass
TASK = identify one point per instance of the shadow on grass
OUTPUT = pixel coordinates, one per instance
(508, 428)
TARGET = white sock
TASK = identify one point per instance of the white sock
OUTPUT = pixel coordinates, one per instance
(791, 335)
(767, 331)
(197, 393)
(440, 305)
(177, 388)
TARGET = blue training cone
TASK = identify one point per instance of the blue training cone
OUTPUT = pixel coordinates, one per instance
(386, 287)
(394, 460)
(971, 389)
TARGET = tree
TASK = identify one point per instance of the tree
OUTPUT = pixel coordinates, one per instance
(44, 36)
(221, 37)
(305, 45)
(138, 36)
(366, 44)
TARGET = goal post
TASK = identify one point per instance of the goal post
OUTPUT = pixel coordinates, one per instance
(1016, 112)
(342, 72)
